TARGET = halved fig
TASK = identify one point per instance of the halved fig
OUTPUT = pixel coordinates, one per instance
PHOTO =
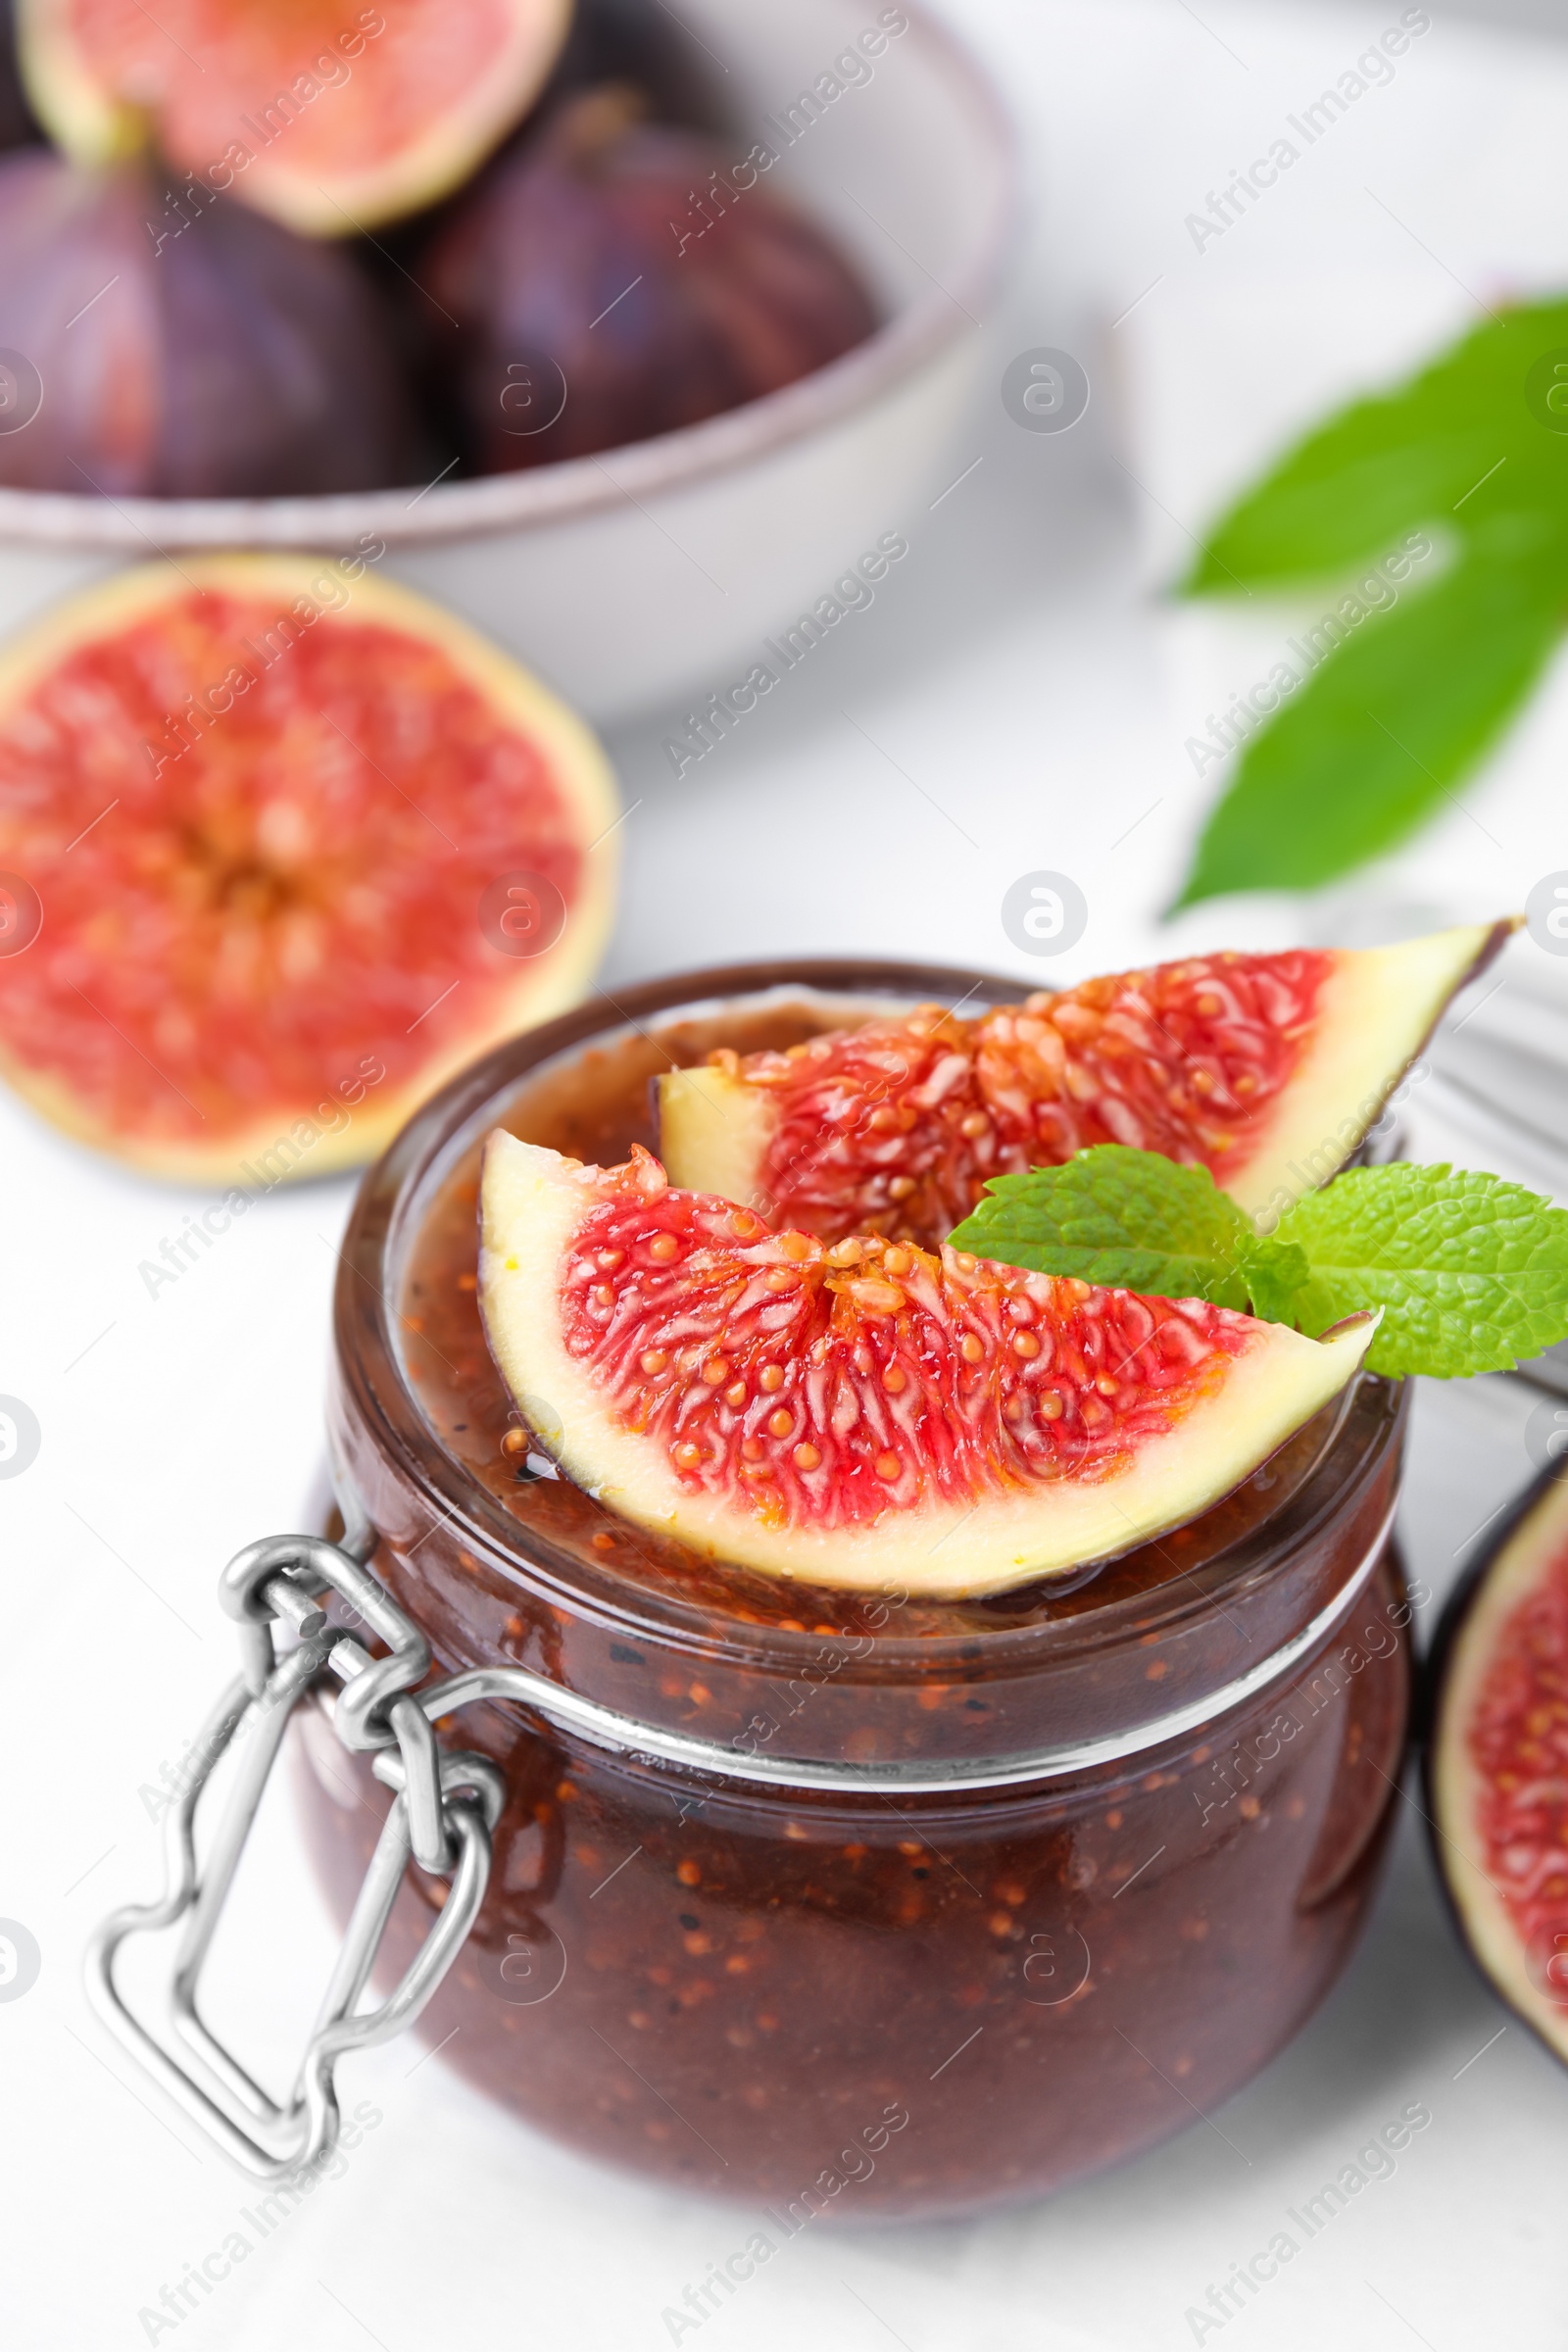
(1498, 1759)
(1265, 1069)
(329, 118)
(867, 1415)
(281, 847)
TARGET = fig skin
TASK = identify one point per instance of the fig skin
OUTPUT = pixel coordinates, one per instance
(626, 41)
(16, 125)
(224, 357)
(542, 264)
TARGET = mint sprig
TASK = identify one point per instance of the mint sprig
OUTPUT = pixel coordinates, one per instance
(1473, 453)
(1471, 1272)
(1132, 1221)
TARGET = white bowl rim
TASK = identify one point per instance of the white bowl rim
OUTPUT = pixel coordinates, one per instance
(914, 338)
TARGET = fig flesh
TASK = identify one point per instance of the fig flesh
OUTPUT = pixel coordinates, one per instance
(282, 847)
(867, 1416)
(1498, 1759)
(611, 283)
(329, 117)
(1265, 1069)
(178, 346)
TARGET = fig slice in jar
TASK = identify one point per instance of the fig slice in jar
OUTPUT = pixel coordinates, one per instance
(1265, 1069)
(1497, 1760)
(282, 846)
(331, 118)
(868, 1415)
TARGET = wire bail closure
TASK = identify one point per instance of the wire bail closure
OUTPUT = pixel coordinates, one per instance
(445, 1808)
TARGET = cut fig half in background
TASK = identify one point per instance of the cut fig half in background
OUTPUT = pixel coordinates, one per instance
(872, 1415)
(1265, 1069)
(328, 116)
(1498, 1759)
(283, 845)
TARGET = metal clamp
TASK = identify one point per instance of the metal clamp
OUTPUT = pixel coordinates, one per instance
(445, 1808)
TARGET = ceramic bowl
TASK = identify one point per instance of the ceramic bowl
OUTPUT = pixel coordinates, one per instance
(654, 570)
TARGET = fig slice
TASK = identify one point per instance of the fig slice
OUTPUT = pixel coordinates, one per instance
(870, 1415)
(331, 118)
(282, 846)
(1265, 1069)
(1498, 1759)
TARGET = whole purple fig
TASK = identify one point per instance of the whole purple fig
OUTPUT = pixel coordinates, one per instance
(180, 345)
(615, 278)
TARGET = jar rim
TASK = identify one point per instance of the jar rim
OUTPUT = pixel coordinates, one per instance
(396, 1191)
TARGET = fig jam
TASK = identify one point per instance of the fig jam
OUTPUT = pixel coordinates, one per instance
(838, 2003)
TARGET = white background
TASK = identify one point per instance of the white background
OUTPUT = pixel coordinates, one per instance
(1026, 697)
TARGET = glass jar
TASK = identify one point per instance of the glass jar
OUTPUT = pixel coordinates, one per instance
(907, 1908)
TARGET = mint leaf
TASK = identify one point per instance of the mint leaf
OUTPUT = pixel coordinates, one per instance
(1275, 1273)
(1402, 458)
(1378, 736)
(1124, 1221)
(1471, 1272)
(1373, 741)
